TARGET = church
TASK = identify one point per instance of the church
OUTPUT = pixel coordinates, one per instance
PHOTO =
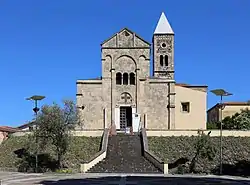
(128, 97)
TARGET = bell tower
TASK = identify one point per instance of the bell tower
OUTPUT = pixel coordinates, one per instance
(163, 49)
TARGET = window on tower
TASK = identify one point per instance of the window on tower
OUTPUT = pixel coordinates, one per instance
(132, 78)
(118, 78)
(161, 60)
(166, 60)
(125, 79)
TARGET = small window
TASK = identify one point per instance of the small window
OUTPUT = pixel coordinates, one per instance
(185, 107)
(125, 79)
(132, 78)
(166, 60)
(161, 60)
(126, 33)
(118, 78)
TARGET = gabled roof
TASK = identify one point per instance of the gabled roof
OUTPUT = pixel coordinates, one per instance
(232, 103)
(163, 26)
(128, 30)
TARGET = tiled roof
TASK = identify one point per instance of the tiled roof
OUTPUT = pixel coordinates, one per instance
(8, 129)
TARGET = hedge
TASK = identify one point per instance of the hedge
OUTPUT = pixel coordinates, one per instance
(236, 153)
(80, 150)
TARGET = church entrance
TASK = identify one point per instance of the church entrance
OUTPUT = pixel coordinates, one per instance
(125, 117)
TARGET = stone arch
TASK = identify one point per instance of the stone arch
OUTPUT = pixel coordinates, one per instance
(125, 63)
(106, 64)
(126, 98)
(142, 57)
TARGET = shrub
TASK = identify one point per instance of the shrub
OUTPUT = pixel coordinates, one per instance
(170, 149)
(17, 154)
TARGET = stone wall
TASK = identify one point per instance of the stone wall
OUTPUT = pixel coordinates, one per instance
(91, 99)
(154, 104)
(125, 52)
(3, 136)
(86, 133)
(214, 133)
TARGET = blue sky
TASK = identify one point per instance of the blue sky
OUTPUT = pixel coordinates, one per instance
(46, 45)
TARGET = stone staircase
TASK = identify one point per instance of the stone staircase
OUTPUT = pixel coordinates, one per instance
(124, 155)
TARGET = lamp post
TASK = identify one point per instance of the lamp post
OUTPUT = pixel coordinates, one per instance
(221, 93)
(36, 98)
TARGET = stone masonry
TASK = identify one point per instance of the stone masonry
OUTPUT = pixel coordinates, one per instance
(126, 81)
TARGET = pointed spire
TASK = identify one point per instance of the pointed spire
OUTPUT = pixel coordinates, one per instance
(163, 26)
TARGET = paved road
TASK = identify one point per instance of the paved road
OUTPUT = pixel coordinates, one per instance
(113, 179)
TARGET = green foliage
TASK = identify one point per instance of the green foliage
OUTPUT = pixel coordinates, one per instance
(203, 149)
(54, 126)
(80, 149)
(213, 125)
(170, 149)
(242, 121)
(7, 157)
(228, 123)
(238, 121)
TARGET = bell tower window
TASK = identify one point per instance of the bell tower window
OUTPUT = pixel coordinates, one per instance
(161, 60)
(166, 60)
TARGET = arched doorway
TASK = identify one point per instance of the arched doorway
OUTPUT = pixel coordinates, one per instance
(125, 111)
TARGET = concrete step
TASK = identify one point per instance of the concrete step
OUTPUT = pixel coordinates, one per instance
(124, 155)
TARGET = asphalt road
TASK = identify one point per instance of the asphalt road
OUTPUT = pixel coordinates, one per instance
(9, 178)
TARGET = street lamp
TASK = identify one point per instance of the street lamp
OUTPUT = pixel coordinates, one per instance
(221, 93)
(36, 98)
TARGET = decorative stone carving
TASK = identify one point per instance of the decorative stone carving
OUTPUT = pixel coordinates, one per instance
(126, 98)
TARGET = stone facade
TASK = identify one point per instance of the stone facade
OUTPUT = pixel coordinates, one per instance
(127, 90)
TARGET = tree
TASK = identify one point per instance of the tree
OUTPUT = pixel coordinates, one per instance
(242, 120)
(203, 148)
(54, 125)
(228, 123)
(238, 121)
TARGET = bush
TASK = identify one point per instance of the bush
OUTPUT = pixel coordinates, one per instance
(213, 125)
(16, 153)
(170, 149)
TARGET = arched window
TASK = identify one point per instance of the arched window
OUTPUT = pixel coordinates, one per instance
(132, 78)
(166, 60)
(118, 78)
(161, 60)
(125, 79)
